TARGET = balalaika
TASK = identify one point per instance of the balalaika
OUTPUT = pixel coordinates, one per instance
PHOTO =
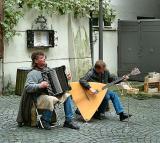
(57, 79)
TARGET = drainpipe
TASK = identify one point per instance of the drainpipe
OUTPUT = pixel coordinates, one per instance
(100, 29)
(1, 42)
(91, 37)
(3, 84)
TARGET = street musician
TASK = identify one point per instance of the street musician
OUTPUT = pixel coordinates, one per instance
(100, 74)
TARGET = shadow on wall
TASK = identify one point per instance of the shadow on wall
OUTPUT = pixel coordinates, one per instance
(82, 62)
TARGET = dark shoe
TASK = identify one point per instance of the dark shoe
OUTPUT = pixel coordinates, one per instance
(71, 125)
(123, 116)
(99, 116)
(52, 124)
(20, 124)
(44, 125)
(77, 112)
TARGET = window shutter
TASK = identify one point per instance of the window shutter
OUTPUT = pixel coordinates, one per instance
(51, 38)
(30, 39)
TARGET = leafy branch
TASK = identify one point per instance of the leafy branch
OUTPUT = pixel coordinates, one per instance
(14, 10)
(12, 14)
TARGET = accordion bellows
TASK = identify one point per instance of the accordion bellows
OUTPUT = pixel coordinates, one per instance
(57, 79)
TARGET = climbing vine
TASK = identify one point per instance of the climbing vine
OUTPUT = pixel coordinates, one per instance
(14, 10)
(12, 14)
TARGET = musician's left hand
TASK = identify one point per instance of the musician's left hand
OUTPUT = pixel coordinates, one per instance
(125, 77)
(69, 76)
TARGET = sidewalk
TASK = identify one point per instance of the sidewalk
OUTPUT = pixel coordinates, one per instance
(143, 127)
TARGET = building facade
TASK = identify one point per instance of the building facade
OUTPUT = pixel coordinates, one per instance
(125, 10)
(72, 48)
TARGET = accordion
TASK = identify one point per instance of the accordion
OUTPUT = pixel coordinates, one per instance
(57, 79)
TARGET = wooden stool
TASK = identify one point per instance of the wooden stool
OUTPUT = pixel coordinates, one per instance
(151, 84)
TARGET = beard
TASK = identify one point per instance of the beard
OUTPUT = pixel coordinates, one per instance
(42, 65)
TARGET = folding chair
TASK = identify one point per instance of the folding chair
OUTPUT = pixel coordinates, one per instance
(39, 114)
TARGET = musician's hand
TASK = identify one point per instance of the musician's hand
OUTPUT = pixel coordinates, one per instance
(44, 84)
(125, 77)
(93, 91)
(69, 76)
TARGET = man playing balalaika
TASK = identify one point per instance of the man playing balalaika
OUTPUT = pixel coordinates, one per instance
(100, 74)
(35, 89)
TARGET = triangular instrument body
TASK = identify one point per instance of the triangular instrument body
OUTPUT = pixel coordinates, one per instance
(86, 103)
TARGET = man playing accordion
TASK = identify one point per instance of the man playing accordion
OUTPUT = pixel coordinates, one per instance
(35, 90)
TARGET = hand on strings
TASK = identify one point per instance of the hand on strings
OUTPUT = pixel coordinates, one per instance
(69, 76)
(125, 77)
(44, 84)
(92, 91)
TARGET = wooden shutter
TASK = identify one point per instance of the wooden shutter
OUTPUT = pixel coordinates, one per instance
(30, 39)
(51, 38)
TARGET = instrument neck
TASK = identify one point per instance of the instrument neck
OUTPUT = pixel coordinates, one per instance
(116, 81)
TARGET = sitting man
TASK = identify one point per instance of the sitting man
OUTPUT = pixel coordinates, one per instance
(35, 89)
(101, 75)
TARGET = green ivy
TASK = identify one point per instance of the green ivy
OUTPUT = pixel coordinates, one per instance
(12, 14)
(14, 10)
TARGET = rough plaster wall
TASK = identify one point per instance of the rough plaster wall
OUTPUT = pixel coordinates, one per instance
(72, 50)
(80, 55)
(109, 50)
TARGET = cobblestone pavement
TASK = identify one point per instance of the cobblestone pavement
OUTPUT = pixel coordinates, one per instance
(143, 127)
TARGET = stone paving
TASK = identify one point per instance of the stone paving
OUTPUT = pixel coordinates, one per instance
(143, 127)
